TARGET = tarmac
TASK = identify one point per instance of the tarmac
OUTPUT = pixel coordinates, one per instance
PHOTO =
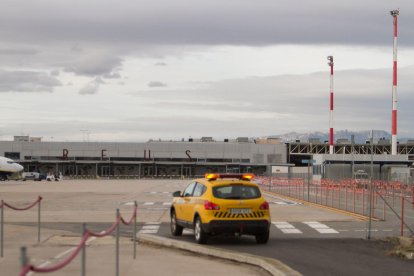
(154, 256)
(75, 202)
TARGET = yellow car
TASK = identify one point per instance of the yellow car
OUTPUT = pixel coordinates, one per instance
(221, 203)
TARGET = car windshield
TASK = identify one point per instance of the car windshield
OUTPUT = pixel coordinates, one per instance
(236, 191)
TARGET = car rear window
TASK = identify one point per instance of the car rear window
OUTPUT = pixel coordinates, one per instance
(236, 191)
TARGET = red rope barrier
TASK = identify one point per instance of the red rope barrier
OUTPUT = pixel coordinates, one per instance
(21, 209)
(60, 265)
(134, 214)
(84, 239)
(106, 232)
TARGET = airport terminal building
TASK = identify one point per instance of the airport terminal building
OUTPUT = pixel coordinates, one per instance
(195, 157)
(148, 159)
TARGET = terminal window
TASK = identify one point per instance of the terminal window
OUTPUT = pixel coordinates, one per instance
(12, 155)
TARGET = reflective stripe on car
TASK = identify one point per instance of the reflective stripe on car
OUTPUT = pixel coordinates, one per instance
(259, 214)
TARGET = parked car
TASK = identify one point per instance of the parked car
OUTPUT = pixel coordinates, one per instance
(31, 176)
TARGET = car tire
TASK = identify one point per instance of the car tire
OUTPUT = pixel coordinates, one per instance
(199, 234)
(262, 238)
(176, 230)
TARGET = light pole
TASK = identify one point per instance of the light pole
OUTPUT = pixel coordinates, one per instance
(331, 131)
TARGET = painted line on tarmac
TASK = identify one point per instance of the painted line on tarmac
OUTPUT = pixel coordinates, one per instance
(283, 201)
(321, 228)
(150, 228)
(358, 216)
(60, 255)
(188, 231)
(286, 227)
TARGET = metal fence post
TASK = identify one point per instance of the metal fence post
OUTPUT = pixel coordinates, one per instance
(270, 179)
(117, 245)
(83, 259)
(402, 216)
(135, 230)
(2, 228)
(23, 256)
(38, 221)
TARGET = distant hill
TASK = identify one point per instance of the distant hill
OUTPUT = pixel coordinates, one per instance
(359, 136)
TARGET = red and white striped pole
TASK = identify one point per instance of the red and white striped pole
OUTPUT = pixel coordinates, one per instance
(331, 131)
(394, 14)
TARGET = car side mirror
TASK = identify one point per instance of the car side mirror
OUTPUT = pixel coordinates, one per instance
(177, 194)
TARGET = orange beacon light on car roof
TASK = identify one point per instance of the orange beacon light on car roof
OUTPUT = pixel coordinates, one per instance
(214, 176)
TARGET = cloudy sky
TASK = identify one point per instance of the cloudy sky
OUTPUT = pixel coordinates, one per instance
(138, 70)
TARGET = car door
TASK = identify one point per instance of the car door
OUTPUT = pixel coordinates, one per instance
(184, 206)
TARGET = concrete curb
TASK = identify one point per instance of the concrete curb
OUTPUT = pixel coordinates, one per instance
(274, 267)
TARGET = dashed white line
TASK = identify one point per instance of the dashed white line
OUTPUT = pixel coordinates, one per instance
(150, 228)
(188, 231)
(65, 252)
(280, 203)
(321, 228)
(60, 255)
(286, 227)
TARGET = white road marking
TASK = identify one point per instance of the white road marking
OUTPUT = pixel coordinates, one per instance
(280, 203)
(150, 231)
(149, 203)
(188, 232)
(60, 255)
(150, 228)
(64, 253)
(147, 227)
(286, 227)
(321, 228)
(167, 203)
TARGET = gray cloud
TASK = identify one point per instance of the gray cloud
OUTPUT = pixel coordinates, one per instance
(94, 64)
(200, 22)
(77, 39)
(156, 84)
(27, 81)
(18, 52)
(299, 102)
(92, 87)
(262, 106)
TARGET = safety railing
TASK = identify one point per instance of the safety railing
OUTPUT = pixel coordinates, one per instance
(350, 195)
(81, 247)
(4, 204)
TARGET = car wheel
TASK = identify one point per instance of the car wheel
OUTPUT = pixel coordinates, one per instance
(176, 230)
(199, 234)
(262, 238)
